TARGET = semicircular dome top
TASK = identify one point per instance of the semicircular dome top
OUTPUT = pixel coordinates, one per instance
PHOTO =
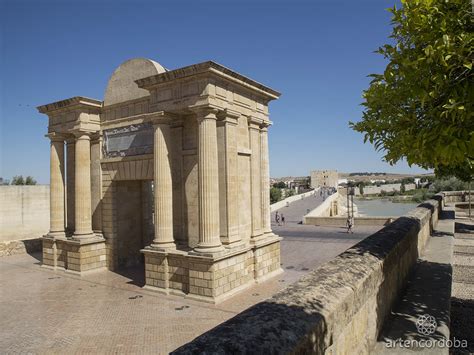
(122, 87)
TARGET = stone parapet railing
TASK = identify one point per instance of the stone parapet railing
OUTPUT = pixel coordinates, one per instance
(280, 204)
(342, 221)
(325, 209)
(338, 308)
(456, 196)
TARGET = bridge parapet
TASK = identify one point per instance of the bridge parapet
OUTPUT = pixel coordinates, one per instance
(338, 308)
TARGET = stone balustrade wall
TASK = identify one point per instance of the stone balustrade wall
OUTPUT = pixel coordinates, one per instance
(338, 308)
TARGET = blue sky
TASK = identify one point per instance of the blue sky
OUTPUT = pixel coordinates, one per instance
(316, 53)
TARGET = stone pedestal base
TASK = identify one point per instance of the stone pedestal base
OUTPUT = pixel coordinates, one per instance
(211, 278)
(72, 255)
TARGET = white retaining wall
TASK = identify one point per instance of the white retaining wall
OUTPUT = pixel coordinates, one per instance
(24, 212)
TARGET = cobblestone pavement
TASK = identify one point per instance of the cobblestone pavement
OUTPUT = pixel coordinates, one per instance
(43, 311)
(462, 298)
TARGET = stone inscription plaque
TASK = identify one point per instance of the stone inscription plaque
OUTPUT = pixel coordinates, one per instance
(127, 141)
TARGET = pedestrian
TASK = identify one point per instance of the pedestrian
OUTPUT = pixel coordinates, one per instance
(282, 219)
(350, 224)
(277, 218)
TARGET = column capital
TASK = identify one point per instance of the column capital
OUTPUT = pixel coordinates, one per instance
(254, 122)
(265, 125)
(205, 112)
(228, 116)
(82, 134)
(56, 137)
(70, 139)
(96, 136)
(162, 117)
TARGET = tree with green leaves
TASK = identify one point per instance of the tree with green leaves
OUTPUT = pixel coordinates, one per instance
(280, 185)
(30, 180)
(463, 172)
(18, 180)
(421, 107)
(275, 194)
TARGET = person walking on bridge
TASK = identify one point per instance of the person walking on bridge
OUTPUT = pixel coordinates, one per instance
(350, 224)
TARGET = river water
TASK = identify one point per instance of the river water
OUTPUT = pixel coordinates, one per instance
(383, 207)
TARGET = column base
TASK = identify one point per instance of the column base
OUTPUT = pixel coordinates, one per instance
(163, 246)
(212, 278)
(208, 252)
(84, 237)
(72, 255)
(265, 238)
(58, 235)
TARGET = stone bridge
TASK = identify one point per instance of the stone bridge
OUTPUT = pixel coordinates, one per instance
(345, 306)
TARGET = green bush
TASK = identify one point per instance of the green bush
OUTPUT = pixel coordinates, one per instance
(449, 184)
(275, 194)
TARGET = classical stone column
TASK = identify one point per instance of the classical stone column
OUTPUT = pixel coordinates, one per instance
(265, 178)
(83, 216)
(163, 185)
(209, 240)
(227, 126)
(179, 197)
(96, 182)
(70, 164)
(255, 177)
(56, 209)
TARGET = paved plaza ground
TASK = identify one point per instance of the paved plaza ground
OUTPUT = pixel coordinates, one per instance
(43, 311)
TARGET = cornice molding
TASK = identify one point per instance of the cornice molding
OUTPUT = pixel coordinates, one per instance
(76, 101)
(203, 68)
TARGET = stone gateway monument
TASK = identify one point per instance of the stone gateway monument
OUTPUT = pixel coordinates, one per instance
(170, 172)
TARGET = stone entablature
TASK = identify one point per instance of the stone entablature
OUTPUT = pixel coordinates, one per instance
(200, 138)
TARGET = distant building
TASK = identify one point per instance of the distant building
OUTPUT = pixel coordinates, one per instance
(378, 181)
(324, 178)
(300, 184)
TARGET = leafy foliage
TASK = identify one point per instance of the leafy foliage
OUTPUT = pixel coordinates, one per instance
(421, 107)
(280, 185)
(30, 181)
(448, 184)
(464, 172)
(275, 194)
(19, 180)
